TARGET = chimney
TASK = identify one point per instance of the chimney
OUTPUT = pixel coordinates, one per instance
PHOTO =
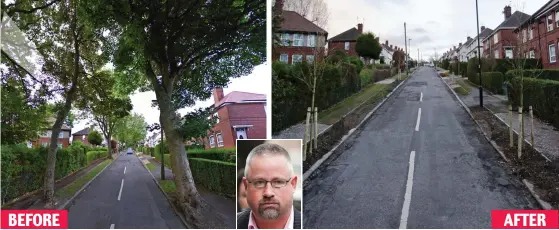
(482, 28)
(469, 38)
(217, 94)
(454, 47)
(279, 7)
(391, 47)
(459, 44)
(360, 27)
(386, 42)
(507, 12)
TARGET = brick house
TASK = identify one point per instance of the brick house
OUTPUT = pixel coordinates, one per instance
(300, 38)
(501, 42)
(346, 41)
(538, 36)
(240, 115)
(44, 138)
(81, 136)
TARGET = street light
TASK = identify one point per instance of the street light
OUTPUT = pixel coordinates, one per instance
(479, 59)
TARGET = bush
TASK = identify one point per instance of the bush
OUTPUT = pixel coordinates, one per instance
(382, 66)
(366, 76)
(215, 175)
(23, 168)
(549, 74)
(355, 61)
(463, 69)
(541, 94)
(493, 81)
(94, 155)
(504, 65)
(226, 155)
(393, 71)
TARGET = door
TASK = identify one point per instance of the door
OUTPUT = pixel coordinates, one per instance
(241, 133)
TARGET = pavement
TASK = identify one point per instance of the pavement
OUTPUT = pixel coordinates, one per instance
(224, 207)
(123, 196)
(409, 169)
(546, 136)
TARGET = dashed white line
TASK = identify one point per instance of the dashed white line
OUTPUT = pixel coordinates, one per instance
(421, 97)
(407, 196)
(418, 120)
(124, 169)
(120, 192)
(112, 226)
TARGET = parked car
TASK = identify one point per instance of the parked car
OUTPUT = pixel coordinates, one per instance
(129, 151)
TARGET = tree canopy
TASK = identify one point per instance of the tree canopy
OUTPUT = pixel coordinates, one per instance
(95, 138)
(131, 130)
(368, 46)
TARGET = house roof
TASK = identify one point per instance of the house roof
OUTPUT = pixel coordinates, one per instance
(240, 97)
(387, 48)
(347, 36)
(81, 132)
(63, 127)
(515, 20)
(540, 12)
(294, 22)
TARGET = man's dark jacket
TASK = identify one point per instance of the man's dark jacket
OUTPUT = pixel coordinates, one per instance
(244, 216)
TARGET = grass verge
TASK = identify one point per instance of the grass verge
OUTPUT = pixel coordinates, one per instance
(72, 188)
(373, 92)
(168, 186)
(461, 90)
(150, 166)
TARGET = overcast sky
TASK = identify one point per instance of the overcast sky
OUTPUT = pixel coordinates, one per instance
(257, 82)
(431, 24)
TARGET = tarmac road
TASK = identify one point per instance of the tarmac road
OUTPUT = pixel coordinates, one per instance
(410, 169)
(123, 196)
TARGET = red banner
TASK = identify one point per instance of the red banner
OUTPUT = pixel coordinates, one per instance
(34, 219)
(524, 219)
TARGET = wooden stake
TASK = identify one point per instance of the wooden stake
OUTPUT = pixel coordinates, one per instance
(306, 137)
(511, 133)
(532, 126)
(315, 127)
(311, 131)
(520, 134)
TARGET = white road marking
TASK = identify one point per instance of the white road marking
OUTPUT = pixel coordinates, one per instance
(421, 97)
(112, 226)
(120, 192)
(407, 196)
(124, 169)
(418, 120)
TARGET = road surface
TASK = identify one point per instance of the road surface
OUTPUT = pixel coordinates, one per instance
(419, 162)
(123, 196)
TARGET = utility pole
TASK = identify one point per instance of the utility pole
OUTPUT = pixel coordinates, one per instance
(406, 45)
(479, 59)
(418, 55)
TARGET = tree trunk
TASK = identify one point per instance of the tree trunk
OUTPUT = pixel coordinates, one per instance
(109, 145)
(189, 199)
(48, 183)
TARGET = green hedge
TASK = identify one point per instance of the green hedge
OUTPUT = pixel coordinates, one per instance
(366, 76)
(226, 155)
(292, 97)
(549, 74)
(493, 81)
(382, 66)
(381, 74)
(23, 168)
(541, 94)
(94, 155)
(215, 175)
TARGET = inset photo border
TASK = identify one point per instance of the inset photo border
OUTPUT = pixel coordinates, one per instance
(270, 183)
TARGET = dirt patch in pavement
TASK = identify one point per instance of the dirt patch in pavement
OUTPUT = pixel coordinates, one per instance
(532, 166)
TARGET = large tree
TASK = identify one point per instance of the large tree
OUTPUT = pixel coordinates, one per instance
(99, 103)
(131, 130)
(182, 49)
(197, 123)
(67, 50)
(95, 138)
(368, 46)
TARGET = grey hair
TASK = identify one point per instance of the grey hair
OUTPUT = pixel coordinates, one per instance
(269, 149)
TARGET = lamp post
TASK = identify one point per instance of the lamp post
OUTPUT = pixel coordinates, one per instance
(406, 47)
(479, 59)
(409, 44)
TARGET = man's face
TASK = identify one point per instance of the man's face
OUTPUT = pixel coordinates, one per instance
(269, 202)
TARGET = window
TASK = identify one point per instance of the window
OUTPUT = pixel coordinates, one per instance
(286, 39)
(298, 40)
(552, 57)
(59, 145)
(346, 45)
(524, 37)
(531, 33)
(495, 38)
(296, 58)
(284, 58)
(532, 54)
(216, 117)
(496, 53)
(29, 144)
(550, 22)
(212, 141)
(219, 140)
(311, 40)
(83, 137)
(310, 58)
(556, 18)
(61, 134)
(44, 144)
(508, 53)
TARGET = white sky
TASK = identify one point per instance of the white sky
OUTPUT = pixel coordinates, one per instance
(258, 81)
(431, 24)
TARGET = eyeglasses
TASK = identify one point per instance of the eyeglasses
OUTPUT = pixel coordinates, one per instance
(274, 183)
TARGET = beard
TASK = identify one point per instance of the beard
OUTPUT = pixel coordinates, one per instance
(270, 212)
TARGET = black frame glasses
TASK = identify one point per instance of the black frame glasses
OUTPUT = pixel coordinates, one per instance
(274, 183)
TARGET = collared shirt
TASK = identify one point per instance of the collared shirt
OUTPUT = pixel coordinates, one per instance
(288, 225)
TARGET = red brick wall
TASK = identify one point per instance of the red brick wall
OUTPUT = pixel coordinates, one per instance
(290, 51)
(246, 114)
(78, 138)
(65, 141)
(333, 46)
(541, 42)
